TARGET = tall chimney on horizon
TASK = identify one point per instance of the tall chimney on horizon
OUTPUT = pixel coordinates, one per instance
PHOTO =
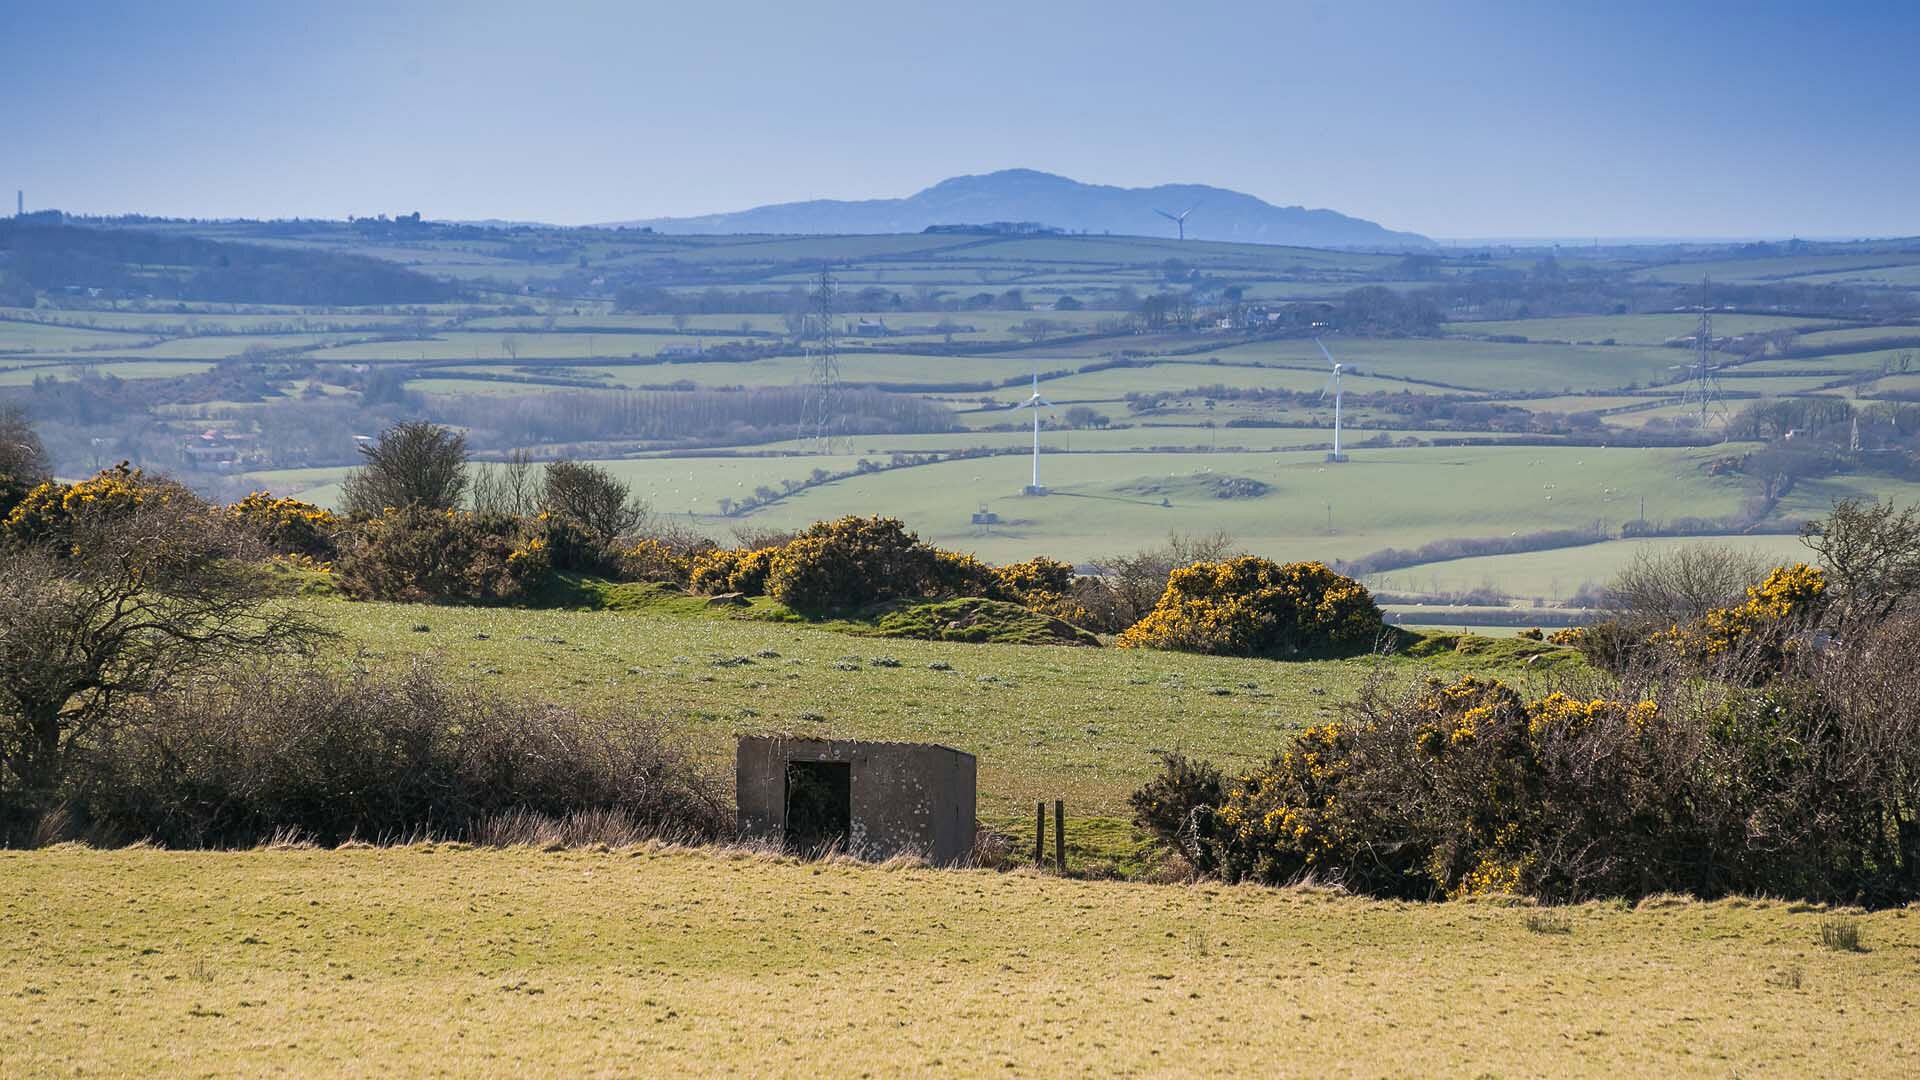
(19, 202)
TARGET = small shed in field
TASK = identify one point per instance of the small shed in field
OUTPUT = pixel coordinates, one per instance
(870, 799)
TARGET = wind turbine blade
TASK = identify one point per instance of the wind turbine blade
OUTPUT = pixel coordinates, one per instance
(1045, 402)
(1325, 353)
(1166, 215)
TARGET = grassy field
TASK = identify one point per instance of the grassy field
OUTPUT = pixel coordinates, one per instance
(444, 960)
(1046, 722)
(24, 374)
(1633, 329)
(1872, 268)
(1108, 501)
(1552, 576)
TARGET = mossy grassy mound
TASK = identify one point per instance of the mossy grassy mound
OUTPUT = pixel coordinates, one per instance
(1472, 651)
(967, 619)
(971, 619)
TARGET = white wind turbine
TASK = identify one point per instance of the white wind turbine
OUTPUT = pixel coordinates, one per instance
(1180, 218)
(1036, 403)
(1333, 385)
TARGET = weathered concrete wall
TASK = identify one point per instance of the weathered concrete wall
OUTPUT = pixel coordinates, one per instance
(906, 797)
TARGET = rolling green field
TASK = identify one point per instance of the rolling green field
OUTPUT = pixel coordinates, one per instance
(1653, 329)
(1554, 575)
(1107, 501)
(23, 375)
(1880, 268)
(534, 324)
(445, 960)
(1081, 724)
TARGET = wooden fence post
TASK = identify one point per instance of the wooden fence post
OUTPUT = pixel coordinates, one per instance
(1040, 834)
(1060, 836)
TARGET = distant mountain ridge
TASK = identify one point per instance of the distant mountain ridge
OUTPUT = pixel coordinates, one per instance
(1028, 195)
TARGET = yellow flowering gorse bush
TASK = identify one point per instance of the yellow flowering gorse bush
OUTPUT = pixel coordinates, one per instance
(289, 526)
(1762, 628)
(1447, 793)
(49, 511)
(1255, 607)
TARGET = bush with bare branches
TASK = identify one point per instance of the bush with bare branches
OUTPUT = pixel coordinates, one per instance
(126, 598)
(260, 751)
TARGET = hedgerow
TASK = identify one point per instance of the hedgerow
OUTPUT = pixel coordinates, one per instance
(1449, 789)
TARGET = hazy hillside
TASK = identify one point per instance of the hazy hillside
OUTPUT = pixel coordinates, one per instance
(1027, 195)
(165, 264)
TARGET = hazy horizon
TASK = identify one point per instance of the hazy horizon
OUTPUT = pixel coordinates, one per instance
(1700, 121)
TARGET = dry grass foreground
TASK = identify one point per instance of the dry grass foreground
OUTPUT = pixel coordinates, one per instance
(445, 960)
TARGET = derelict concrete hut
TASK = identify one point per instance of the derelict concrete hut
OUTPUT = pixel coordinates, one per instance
(871, 799)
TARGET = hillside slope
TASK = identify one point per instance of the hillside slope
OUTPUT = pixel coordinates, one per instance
(1056, 201)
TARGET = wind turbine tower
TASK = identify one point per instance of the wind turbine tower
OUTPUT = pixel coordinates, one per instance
(1036, 403)
(1179, 219)
(1333, 387)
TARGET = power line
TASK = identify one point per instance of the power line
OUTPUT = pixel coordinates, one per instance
(821, 420)
(1705, 394)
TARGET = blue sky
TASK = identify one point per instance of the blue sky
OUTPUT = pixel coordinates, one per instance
(1451, 119)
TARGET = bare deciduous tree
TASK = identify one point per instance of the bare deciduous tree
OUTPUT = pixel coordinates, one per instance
(1658, 589)
(414, 463)
(593, 499)
(132, 603)
(1871, 553)
(507, 488)
(22, 455)
(1134, 582)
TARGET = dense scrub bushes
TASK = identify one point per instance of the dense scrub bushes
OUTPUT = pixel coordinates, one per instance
(845, 565)
(288, 526)
(1245, 606)
(1046, 586)
(50, 511)
(654, 559)
(1747, 642)
(1758, 633)
(1806, 788)
(852, 563)
(1251, 606)
(731, 570)
(236, 760)
(1122, 589)
(1178, 799)
(418, 554)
